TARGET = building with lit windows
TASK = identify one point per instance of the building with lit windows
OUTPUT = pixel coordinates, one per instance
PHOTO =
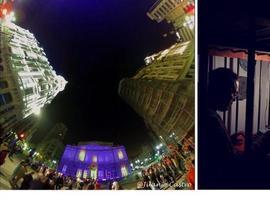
(174, 63)
(179, 13)
(167, 107)
(27, 80)
(163, 90)
(96, 161)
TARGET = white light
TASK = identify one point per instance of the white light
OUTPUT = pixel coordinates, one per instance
(9, 17)
(36, 110)
(178, 35)
(4, 12)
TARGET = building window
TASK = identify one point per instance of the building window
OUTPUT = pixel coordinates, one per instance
(5, 99)
(9, 109)
(64, 169)
(82, 155)
(28, 91)
(94, 159)
(120, 154)
(79, 173)
(85, 173)
(124, 171)
(1, 68)
(3, 84)
(100, 173)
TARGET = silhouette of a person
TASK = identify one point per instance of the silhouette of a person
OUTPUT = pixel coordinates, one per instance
(216, 150)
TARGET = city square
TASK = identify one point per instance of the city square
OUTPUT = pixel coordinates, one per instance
(97, 95)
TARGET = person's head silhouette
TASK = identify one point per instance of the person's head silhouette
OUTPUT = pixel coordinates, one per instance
(222, 88)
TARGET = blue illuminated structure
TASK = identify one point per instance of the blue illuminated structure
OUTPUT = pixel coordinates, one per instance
(101, 162)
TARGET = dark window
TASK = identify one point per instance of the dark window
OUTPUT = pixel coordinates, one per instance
(1, 68)
(3, 84)
(7, 110)
(5, 98)
(10, 118)
(28, 91)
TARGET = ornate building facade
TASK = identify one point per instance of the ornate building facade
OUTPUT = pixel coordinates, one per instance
(27, 80)
(96, 161)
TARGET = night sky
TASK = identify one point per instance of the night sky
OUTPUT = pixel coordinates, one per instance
(93, 44)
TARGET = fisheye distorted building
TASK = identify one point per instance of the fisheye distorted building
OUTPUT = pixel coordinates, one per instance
(179, 13)
(96, 161)
(163, 90)
(27, 80)
(163, 96)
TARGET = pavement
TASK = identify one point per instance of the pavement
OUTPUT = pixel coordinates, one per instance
(6, 171)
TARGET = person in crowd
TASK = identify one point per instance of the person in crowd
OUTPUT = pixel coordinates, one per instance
(146, 180)
(140, 185)
(18, 173)
(115, 186)
(59, 182)
(238, 142)
(38, 182)
(27, 179)
(153, 179)
(3, 152)
(190, 174)
(97, 185)
(109, 187)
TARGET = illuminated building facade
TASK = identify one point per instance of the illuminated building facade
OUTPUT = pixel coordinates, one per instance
(167, 107)
(163, 91)
(101, 162)
(180, 13)
(174, 63)
(27, 80)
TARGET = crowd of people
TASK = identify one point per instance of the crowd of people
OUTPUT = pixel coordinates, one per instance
(43, 178)
(172, 167)
(35, 176)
